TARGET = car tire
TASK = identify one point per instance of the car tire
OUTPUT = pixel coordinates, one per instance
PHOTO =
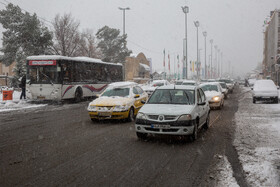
(142, 136)
(207, 123)
(130, 115)
(193, 137)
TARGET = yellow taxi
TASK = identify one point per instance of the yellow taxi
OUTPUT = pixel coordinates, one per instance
(120, 100)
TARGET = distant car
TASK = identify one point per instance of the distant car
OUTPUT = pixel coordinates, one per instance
(121, 100)
(189, 82)
(174, 110)
(214, 94)
(229, 83)
(265, 90)
(224, 89)
(251, 82)
(179, 82)
(149, 89)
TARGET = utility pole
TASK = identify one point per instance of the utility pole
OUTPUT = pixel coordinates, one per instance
(211, 68)
(186, 11)
(124, 9)
(196, 23)
(205, 67)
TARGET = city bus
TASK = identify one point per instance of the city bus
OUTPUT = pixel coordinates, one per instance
(52, 77)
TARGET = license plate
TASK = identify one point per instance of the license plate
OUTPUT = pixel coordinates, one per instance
(41, 97)
(160, 126)
(104, 114)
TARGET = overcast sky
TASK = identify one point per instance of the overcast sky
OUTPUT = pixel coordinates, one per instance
(236, 26)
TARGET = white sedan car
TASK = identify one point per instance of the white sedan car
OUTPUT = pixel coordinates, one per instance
(214, 94)
(149, 89)
(174, 110)
(265, 90)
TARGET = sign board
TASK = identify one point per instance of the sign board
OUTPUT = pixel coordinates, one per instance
(42, 62)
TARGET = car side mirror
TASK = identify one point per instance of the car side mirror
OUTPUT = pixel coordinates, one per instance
(137, 96)
(143, 101)
(202, 103)
(277, 87)
(251, 88)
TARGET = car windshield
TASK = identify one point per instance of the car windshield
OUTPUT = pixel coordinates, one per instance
(121, 92)
(162, 96)
(210, 87)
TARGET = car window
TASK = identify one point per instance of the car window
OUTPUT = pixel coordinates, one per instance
(198, 97)
(209, 87)
(140, 91)
(135, 91)
(203, 99)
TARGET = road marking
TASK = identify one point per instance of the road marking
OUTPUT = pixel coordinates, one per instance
(215, 120)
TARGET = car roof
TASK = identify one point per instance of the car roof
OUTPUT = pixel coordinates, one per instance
(172, 87)
(193, 81)
(122, 84)
(210, 83)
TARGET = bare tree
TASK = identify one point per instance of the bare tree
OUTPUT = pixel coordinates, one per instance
(66, 35)
(88, 45)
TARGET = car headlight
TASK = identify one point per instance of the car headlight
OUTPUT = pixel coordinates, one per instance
(185, 117)
(141, 115)
(216, 98)
(121, 107)
(92, 108)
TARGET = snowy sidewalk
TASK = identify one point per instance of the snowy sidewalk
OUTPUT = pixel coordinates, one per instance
(257, 140)
(16, 103)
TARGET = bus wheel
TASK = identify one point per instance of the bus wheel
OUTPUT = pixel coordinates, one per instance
(78, 95)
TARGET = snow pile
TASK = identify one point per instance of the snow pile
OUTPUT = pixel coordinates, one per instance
(225, 173)
(16, 103)
(257, 140)
(220, 173)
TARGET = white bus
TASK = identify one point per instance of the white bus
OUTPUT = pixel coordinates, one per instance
(52, 77)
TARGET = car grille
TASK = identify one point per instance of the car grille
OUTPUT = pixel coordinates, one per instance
(105, 108)
(166, 117)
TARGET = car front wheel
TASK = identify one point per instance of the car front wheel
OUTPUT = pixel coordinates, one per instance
(207, 123)
(130, 115)
(193, 137)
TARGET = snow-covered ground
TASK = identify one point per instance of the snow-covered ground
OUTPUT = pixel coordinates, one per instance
(16, 103)
(257, 140)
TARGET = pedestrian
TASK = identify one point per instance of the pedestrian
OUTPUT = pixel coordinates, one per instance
(23, 85)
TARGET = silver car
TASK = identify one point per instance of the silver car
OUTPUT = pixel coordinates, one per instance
(174, 110)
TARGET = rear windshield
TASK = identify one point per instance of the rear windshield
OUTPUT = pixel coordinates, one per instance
(210, 88)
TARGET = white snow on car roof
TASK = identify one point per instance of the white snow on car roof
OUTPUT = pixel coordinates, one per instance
(183, 87)
(122, 84)
(58, 57)
(209, 83)
(192, 81)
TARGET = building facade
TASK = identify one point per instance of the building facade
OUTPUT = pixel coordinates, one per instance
(6, 72)
(137, 68)
(271, 52)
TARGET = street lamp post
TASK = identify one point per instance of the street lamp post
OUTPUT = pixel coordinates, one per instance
(211, 70)
(205, 67)
(196, 23)
(124, 9)
(216, 50)
(186, 11)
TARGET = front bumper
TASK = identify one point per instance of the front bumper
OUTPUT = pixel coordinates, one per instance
(169, 128)
(214, 104)
(109, 115)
